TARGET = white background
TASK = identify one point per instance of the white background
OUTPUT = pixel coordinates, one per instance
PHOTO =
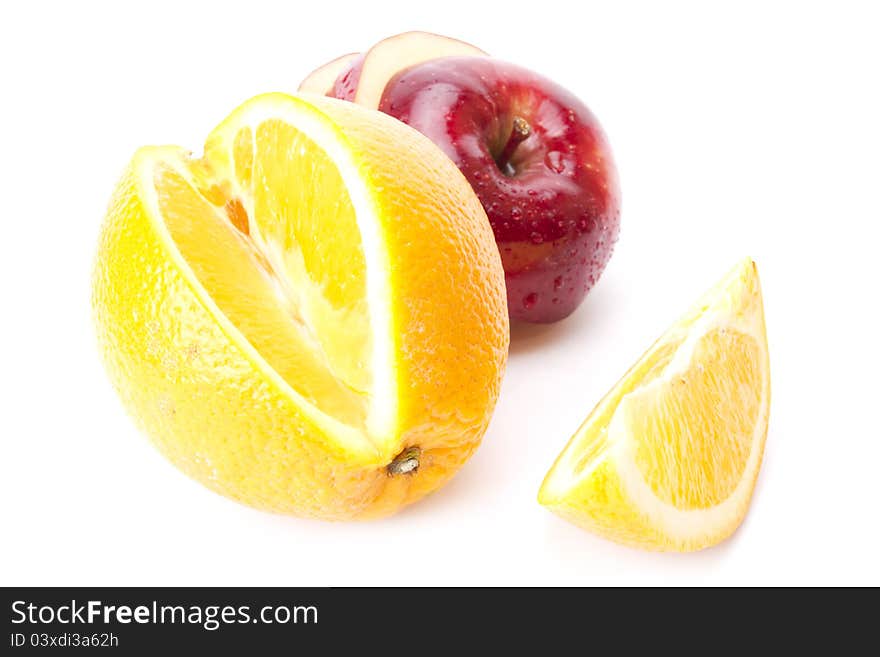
(751, 130)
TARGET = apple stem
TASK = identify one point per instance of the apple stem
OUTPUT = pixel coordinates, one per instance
(518, 134)
(407, 462)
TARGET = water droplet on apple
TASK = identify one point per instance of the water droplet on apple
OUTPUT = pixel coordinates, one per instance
(536, 238)
(557, 282)
(586, 224)
(530, 300)
(515, 212)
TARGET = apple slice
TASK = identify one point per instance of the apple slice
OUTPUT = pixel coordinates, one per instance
(390, 56)
(320, 81)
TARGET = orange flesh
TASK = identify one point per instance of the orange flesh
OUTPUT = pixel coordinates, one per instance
(681, 440)
(262, 240)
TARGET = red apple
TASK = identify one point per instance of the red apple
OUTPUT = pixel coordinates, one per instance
(535, 155)
(539, 162)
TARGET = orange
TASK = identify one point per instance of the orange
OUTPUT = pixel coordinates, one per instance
(310, 318)
(669, 458)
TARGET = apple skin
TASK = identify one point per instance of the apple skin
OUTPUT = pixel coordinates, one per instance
(555, 208)
(346, 83)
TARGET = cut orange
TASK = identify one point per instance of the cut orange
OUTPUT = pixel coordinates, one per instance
(311, 317)
(669, 458)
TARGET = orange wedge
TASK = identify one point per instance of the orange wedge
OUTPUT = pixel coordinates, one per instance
(669, 458)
